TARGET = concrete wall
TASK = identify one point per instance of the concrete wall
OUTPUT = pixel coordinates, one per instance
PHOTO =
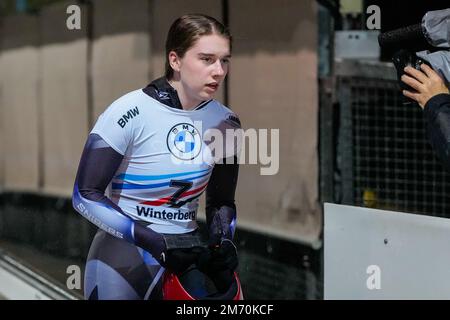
(20, 112)
(2, 130)
(64, 98)
(120, 50)
(273, 84)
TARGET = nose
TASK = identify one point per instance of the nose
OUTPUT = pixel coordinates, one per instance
(219, 70)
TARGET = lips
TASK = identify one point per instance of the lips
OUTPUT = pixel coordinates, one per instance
(213, 86)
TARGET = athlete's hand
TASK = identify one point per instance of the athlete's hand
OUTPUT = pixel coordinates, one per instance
(178, 260)
(427, 84)
(224, 257)
(219, 263)
(220, 226)
(175, 252)
(219, 258)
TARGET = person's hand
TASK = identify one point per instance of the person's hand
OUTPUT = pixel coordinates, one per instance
(224, 257)
(427, 84)
(219, 258)
(181, 251)
(220, 226)
(219, 263)
(178, 260)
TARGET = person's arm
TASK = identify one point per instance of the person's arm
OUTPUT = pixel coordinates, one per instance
(220, 204)
(437, 114)
(98, 164)
(222, 260)
(433, 96)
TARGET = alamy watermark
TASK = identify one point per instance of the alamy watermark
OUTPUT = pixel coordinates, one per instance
(373, 282)
(188, 145)
(74, 279)
(73, 21)
(373, 21)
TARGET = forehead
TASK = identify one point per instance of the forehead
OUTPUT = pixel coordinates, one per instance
(211, 44)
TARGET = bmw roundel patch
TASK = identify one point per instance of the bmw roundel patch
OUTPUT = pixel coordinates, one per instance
(184, 141)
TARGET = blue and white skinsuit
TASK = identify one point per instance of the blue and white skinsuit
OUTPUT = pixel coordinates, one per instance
(157, 161)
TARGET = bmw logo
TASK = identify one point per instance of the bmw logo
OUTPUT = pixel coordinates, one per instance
(184, 141)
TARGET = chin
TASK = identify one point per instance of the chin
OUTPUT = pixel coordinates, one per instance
(207, 96)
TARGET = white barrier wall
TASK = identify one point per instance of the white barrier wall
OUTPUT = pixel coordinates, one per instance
(377, 254)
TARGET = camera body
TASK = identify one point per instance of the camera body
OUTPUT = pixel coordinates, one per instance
(425, 42)
(404, 58)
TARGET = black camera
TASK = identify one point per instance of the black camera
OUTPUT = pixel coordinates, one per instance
(413, 44)
(404, 58)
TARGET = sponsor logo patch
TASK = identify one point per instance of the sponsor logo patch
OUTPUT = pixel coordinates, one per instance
(184, 141)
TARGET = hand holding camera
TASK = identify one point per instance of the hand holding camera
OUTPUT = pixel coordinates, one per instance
(426, 84)
(422, 57)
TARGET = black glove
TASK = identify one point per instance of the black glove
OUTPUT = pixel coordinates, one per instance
(220, 225)
(178, 260)
(219, 263)
(222, 257)
(175, 252)
(181, 251)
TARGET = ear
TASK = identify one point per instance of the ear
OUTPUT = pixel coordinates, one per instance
(174, 61)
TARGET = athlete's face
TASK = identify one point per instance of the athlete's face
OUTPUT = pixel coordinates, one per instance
(202, 69)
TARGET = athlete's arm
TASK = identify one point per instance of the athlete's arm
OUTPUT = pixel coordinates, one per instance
(98, 164)
(220, 205)
(221, 222)
(437, 113)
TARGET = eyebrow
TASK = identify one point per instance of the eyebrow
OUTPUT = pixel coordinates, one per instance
(212, 55)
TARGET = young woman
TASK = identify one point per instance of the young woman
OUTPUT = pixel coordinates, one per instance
(150, 146)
